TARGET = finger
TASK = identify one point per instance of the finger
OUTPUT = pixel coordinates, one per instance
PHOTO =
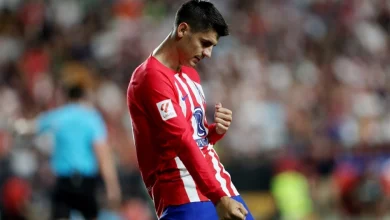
(237, 215)
(222, 122)
(222, 127)
(243, 210)
(223, 116)
(225, 111)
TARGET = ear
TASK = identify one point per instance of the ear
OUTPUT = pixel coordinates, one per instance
(182, 29)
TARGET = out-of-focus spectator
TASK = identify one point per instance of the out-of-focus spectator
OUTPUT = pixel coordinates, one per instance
(291, 191)
(16, 198)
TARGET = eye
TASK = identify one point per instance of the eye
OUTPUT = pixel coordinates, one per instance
(206, 43)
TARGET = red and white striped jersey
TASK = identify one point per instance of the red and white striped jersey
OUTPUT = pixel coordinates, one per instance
(173, 140)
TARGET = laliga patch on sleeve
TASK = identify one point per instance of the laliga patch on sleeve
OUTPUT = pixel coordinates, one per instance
(166, 109)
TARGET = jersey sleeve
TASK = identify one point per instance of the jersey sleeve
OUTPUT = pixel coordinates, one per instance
(99, 131)
(162, 105)
(213, 136)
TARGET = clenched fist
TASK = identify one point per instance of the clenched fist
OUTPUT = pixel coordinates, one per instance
(222, 118)
(230, 209)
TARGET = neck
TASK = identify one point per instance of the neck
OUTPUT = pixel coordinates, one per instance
(167, 53)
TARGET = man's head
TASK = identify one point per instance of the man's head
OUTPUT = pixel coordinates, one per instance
(198, 27)
(75, 92)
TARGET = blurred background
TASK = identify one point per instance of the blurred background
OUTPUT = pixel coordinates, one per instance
(308, 82)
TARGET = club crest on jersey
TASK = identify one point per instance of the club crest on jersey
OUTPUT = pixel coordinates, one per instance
(166, 109)
(199, 118)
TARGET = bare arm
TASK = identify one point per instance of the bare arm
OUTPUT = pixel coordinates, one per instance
(108, 172)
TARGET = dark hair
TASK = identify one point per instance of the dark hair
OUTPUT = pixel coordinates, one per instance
(75, 92)
(202, 16)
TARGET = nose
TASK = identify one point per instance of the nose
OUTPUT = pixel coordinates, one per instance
(207, 52)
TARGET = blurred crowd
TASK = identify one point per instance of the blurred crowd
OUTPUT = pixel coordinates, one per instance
(308, 82)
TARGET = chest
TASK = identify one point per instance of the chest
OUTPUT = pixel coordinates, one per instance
(190, 96)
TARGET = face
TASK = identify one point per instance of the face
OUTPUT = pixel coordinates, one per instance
(193, 47)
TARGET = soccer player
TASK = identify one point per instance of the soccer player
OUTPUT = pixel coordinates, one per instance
(173, 139)
(80, 154)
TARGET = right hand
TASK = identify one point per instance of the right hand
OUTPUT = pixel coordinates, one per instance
(230, 209)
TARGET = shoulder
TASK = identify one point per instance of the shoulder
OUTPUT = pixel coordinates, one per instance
(52, 114)
(149, 72)
(97, 116)
(57, 111)
(93, 111)
(89, 112)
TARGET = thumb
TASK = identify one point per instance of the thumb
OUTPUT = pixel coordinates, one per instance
(218, 105)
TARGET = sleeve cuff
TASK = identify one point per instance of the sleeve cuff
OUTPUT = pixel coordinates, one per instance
(213, 135)
(216, 196)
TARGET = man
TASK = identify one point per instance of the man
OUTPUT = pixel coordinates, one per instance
(80, 153)
(174, 142)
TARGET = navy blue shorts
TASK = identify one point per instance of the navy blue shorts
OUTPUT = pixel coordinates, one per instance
(197, 210)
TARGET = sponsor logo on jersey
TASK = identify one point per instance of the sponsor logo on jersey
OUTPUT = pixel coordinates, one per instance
(166, 109)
